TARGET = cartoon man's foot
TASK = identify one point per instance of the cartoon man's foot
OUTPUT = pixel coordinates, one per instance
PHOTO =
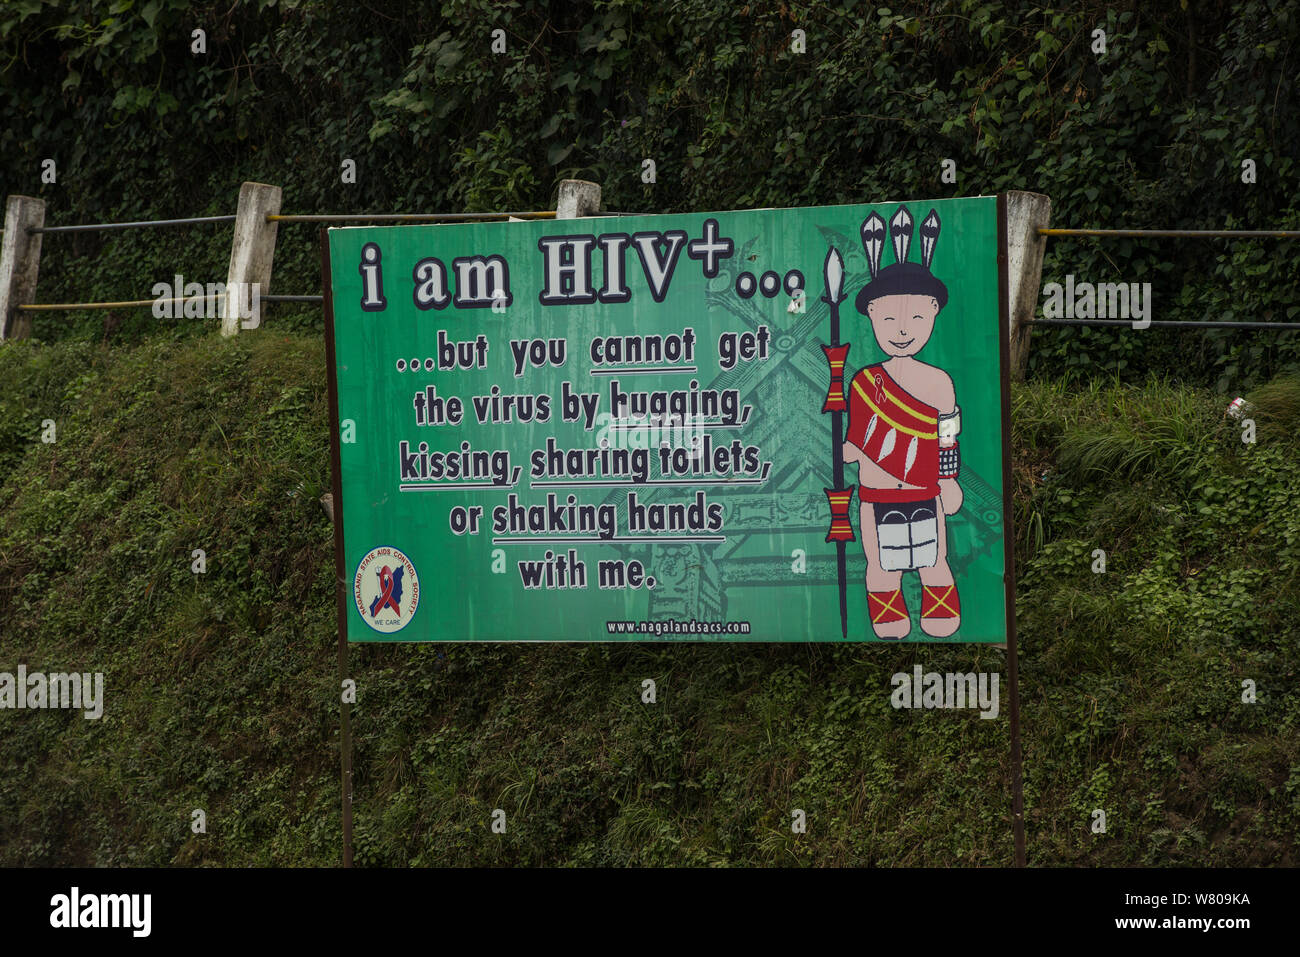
(888, 612)
(940, 610)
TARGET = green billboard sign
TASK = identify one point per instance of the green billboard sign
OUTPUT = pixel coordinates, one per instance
(766, 425)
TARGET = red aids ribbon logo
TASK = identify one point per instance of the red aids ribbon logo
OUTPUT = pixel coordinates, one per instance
(386, 589)
(386, 599)
(880, 389)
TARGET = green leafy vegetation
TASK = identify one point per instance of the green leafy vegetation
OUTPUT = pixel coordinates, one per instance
(1151, 133)
(222, 688)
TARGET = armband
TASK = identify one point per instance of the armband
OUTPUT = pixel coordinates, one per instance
(950, 424)
(949, 461)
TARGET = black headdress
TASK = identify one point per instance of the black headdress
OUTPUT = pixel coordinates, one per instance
(902, 278)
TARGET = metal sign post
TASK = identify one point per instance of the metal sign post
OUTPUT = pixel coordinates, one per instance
(345, 713)
(1009, 550)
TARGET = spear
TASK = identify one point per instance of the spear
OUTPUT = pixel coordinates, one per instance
(839, 497)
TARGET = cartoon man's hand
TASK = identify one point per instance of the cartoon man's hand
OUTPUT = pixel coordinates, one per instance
(852, 453)
(950, 494)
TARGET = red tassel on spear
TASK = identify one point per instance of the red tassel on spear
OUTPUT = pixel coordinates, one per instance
(840, 497)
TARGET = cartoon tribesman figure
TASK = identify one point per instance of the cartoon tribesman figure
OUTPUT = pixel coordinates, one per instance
(903, 425)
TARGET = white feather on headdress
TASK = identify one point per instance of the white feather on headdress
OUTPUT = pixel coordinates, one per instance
(929, 237)
(900, 231)
(873, 241)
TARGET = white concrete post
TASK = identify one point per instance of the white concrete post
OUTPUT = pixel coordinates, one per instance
(250, 255)
(1026, 214)
(577, 198)
(20, 259)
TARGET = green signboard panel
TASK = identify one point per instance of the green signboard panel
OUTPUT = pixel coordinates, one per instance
(766, 425)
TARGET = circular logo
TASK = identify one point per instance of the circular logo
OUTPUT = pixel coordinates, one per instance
(386, 589)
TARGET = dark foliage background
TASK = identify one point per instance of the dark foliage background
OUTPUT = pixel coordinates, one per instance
(1152, 133)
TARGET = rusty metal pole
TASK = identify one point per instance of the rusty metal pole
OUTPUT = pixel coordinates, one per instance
(335, 511)
(1009, 542)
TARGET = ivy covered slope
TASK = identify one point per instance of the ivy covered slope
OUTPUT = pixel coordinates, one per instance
(221, 688)
(1153, 132)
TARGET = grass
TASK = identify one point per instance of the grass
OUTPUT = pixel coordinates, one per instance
(1277, 408)
(222, 687)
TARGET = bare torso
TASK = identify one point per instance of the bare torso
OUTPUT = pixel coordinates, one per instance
(926, 382)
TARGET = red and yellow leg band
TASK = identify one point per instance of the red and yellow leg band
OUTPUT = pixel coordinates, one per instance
(940, 601)
(886, 607)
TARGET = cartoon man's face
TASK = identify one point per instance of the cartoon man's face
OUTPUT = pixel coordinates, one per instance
(902, 324)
